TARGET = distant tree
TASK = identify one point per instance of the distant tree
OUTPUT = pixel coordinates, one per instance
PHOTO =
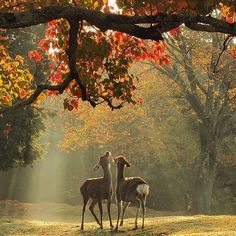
(205, 75)
(22, 127)
(152, 134)
(18, 138)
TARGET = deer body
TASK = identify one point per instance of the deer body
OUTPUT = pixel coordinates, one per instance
(129, 190)
(94, 187)
(98, 189)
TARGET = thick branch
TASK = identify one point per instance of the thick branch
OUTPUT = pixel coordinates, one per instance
(229, 184)
(71, 52)
(189, 69)
(174, 74)
(205, 28)
(126, 24)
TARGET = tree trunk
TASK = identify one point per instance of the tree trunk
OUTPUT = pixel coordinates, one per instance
(205, 173)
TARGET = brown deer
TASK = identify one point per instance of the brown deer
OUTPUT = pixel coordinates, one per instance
(129, 190)
(98, 189)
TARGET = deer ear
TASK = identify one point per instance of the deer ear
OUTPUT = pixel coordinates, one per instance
(127, 164)
(96, 167)
(107, 154)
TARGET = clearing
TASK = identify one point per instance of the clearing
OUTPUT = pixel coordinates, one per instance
(61, 219)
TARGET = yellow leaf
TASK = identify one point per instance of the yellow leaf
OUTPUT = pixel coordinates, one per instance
(20, 59)
(16, 63)
(30, 76)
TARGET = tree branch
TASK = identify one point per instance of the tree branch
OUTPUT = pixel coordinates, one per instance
(116, 22)
(225, 46)
(110, 104)
(103, 21)
(174, 74)
(40, 88)
(73, 75)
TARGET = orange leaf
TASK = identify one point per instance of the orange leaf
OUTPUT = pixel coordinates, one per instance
(22, 94)
(96, 4)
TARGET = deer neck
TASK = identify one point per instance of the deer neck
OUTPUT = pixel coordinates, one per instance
(120, 173)
(107, 173)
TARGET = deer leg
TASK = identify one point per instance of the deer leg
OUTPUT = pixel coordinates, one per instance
(136, 218)
(118, 217)
(91, 208)
(101, 212)
(143, 210)
(109, 211)
(84, 207)
(126, 204)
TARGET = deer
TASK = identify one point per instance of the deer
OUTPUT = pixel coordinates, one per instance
(129, 190)
(98, 189)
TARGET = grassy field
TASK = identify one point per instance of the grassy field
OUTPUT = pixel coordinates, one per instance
(61, 219)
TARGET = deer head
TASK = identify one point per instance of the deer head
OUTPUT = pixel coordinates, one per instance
(103, 161)
(121, 161)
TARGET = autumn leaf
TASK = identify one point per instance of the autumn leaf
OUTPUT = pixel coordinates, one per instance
(44, 45)
(175, 32)
(96, 4)
(37, 56)
(22, 94)
(75, 104)
(53, 93)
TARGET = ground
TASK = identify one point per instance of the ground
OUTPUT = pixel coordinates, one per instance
(61, 219)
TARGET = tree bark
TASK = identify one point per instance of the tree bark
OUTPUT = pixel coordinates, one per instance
(206, 171)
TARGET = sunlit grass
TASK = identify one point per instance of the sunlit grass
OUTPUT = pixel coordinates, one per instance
(168, 225)
(62, 219)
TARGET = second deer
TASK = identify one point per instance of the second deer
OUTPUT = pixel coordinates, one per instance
(98, 189)
(129, 190)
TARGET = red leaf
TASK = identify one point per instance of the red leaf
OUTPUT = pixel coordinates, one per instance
(175, 32)
(52, 22)
(30, 54)
(44, 45)
(53, 93)
(37, 56)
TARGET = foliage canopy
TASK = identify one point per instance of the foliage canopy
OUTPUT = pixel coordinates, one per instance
(90, 46)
